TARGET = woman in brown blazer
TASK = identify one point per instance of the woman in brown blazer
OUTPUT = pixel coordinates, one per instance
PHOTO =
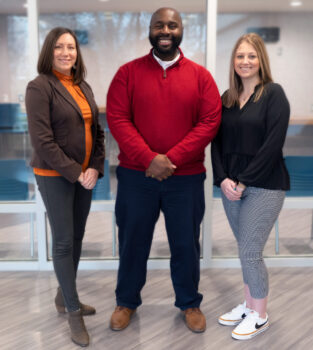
(68, 158)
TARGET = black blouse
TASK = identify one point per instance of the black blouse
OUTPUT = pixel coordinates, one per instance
(248, 146)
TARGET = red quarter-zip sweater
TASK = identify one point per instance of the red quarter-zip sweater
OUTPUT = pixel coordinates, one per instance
(175, 112)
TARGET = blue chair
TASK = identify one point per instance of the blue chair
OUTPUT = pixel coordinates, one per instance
(300, 170)
(102, 190)
(9, 115)
(216, 192)
(14, 179)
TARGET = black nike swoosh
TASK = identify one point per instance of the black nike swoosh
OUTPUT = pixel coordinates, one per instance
(257, 326)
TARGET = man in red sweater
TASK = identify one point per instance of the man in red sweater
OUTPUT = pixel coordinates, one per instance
(163, 110)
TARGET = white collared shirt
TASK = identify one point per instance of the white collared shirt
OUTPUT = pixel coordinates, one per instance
(165, 64)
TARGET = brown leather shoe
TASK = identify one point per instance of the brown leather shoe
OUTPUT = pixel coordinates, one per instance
(195, 320)
(120, 318)
(60, 305)
(79, 334)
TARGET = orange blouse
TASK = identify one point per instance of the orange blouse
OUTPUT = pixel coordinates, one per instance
(83, 104)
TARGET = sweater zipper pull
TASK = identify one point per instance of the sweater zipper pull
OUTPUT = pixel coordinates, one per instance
(164, 73)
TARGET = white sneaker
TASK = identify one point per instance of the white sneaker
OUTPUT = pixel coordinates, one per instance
(251, 326)
(235, 316)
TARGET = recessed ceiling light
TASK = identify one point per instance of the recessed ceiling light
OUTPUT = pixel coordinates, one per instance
(296, 3)
(25, 5)
(104, 0)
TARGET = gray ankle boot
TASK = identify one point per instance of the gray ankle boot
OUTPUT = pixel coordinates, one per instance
(79, 334)
(60, 305)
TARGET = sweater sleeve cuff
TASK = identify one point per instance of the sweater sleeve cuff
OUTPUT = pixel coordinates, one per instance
(98, 164)
(241, 179)
(173, 159)
(217, 181)
(147, 158)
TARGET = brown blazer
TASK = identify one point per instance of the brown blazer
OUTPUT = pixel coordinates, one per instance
(57, 130)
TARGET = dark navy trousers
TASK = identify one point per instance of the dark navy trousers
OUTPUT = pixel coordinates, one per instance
(138, 204)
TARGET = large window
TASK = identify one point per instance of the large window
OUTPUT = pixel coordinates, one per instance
(112, 33)
(109, 37)
(15, 178)
(17, 230)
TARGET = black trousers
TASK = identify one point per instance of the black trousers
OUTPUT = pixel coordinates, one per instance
(67, 206)
(138, 204)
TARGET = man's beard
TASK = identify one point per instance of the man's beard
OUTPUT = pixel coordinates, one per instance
(176, 40)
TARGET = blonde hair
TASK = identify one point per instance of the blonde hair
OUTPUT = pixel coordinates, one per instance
(231, 96)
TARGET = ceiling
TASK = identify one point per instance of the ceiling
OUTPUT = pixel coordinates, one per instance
(224, 6)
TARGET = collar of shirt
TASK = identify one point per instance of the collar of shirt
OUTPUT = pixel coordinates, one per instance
(165, 64)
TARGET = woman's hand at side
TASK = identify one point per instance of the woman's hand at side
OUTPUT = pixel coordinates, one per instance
(90, 177)
(228, 187)
(81, 178)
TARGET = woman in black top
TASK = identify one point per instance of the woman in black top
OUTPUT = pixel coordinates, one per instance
(249, 167)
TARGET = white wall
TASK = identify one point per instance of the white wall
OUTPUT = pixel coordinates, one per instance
(291, 57)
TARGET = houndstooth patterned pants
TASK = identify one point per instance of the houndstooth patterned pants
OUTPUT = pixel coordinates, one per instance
(251, 220)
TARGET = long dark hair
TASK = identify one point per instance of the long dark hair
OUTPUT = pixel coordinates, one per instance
(44, 65)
